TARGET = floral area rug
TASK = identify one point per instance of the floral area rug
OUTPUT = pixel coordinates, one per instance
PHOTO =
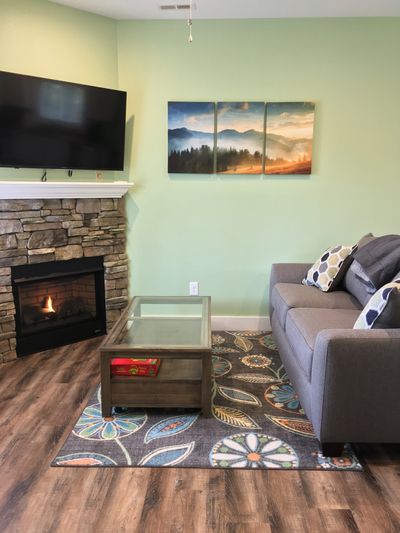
(257, 421)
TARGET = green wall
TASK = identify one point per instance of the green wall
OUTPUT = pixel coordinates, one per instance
(225, 232)
(45, 39)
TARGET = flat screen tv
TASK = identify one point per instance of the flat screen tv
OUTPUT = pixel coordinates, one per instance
(55, 124)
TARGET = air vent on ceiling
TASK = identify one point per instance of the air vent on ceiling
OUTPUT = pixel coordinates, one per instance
(172, 7)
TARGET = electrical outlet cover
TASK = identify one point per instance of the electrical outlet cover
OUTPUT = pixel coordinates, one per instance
(193, 288)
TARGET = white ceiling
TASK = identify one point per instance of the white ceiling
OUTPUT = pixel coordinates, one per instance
(238, 9)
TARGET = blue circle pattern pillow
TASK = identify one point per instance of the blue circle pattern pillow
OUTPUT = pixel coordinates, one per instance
(329, 269)
(383, 309)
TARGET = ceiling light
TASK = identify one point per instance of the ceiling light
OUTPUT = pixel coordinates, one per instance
(189, 22)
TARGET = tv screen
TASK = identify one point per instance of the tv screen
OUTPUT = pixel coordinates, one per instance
(55, 124)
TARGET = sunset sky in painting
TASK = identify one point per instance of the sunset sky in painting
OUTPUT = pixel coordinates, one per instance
(294, 120)
(241, 116)
(197, 116)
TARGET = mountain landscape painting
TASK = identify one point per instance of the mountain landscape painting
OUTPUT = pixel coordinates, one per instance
(289, 131)
(191, 137)
(240, 137)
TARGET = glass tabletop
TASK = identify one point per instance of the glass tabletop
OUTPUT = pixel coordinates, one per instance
(165, 322)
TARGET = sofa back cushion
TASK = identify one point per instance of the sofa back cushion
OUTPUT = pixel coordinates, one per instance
(380, 259)
(357, 284)
(354, 281)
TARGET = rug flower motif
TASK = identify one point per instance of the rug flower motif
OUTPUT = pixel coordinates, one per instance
(91, 425)
(253, 450)
(284, 397)
(256, 361)
(249, 427)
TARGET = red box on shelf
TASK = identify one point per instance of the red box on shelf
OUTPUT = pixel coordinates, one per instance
(135, 367)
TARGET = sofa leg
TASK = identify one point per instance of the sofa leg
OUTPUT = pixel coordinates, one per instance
(332, 449)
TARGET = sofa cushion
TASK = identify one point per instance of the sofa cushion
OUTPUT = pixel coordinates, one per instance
(303, 326)
(365, 240)
(356, 284)
(285, 296)
(380, 259)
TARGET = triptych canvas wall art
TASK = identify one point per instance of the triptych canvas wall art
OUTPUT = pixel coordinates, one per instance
(240, 137)
(191, 137)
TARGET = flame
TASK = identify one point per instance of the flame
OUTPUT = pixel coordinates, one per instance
(48, 305)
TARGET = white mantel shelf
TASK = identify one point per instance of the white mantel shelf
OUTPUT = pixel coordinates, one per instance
(27, 190)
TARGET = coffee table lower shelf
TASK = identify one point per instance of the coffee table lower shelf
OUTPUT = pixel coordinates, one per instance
(179, 383)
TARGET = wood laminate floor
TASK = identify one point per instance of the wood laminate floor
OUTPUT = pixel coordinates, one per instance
(42, 395)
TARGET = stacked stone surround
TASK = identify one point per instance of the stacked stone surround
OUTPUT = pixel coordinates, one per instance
(37, 231)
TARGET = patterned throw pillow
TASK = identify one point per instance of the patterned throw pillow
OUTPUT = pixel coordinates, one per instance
(383, 309)
(330, 268)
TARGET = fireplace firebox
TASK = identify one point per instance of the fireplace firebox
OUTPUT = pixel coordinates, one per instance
(58, 303)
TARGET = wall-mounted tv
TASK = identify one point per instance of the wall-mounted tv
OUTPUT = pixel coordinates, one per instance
(55, 124)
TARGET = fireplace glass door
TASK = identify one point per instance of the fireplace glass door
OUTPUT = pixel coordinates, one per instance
(47, 305)
(58, 303)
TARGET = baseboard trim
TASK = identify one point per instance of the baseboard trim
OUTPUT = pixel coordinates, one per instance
(239, 323)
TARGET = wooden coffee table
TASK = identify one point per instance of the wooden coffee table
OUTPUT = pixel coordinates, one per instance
(176, 330)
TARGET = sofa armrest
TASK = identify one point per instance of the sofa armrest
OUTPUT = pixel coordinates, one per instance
(286, 273)
(355, 385)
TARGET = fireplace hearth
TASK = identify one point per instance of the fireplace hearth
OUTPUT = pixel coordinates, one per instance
(58, 303)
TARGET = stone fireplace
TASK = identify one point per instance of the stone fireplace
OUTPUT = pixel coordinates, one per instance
(52, 231)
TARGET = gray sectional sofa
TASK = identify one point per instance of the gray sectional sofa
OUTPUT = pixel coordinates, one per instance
(348, 381)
